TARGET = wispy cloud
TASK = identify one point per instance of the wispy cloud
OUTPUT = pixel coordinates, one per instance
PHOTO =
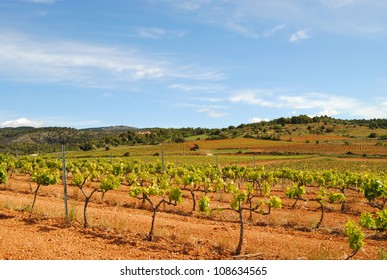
(157, 33)
(274, 30)
(348, 17)
(42, 1)
(21, 122)
(369, 111)
(318, 101)
(241, 29)
(299, 35)
(253, 97)
(187, 5)
(213, 113)
(313, 103)
(210, 99)
(197, 88)
(152, 33)
(29, 59)
(337, 4)
(108, 94)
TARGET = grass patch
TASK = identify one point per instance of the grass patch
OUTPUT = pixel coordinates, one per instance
(383, 254)
(321, 253)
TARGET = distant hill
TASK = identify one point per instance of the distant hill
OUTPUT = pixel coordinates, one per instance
(115, 128)
(28, 140)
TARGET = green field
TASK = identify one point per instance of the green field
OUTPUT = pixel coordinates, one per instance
(247, 152)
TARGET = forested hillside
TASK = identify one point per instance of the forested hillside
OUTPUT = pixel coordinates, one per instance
(27, 140)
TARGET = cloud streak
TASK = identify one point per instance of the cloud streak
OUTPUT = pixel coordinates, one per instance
(42, 1)
(348, 17)
(273, 30)
(241, 29)
(314, 103)
(299, 35)
(197, 87)
(337, 4)
(157, 33)
(32, 60)
(212, 113)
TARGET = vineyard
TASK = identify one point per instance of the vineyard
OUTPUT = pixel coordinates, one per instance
(173, 203)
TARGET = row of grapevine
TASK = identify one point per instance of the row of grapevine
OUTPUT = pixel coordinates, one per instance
(247, 188)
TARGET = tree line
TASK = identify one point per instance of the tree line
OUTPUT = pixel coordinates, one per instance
(28, 140)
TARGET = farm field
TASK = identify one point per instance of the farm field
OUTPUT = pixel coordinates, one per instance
(232, 134)
(119, 222)
(119, 226)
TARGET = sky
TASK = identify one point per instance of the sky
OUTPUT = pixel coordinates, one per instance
(181, 63)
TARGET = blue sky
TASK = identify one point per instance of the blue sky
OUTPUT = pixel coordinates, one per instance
(180, 63)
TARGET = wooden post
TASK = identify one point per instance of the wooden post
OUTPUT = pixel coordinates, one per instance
(162, 162)
(217, 167)
(65, 184)
(162, 172)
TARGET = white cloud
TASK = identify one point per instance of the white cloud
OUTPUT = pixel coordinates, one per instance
(327, 112)
(212, 113)
(33, 60)
(371, 111)
(152, 33)
(205, 88)
(210, 99)
(197, 73)
(21, 122)
(157, 33)
(299, 35)
(313, 103)
(251, 97)
(257, 120)
(317, 100)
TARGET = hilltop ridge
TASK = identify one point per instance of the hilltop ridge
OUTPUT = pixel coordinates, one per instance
(30, 139)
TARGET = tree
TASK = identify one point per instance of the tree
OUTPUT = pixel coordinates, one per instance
(86, 146)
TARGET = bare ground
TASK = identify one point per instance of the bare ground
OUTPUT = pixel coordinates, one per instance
(119, 227)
